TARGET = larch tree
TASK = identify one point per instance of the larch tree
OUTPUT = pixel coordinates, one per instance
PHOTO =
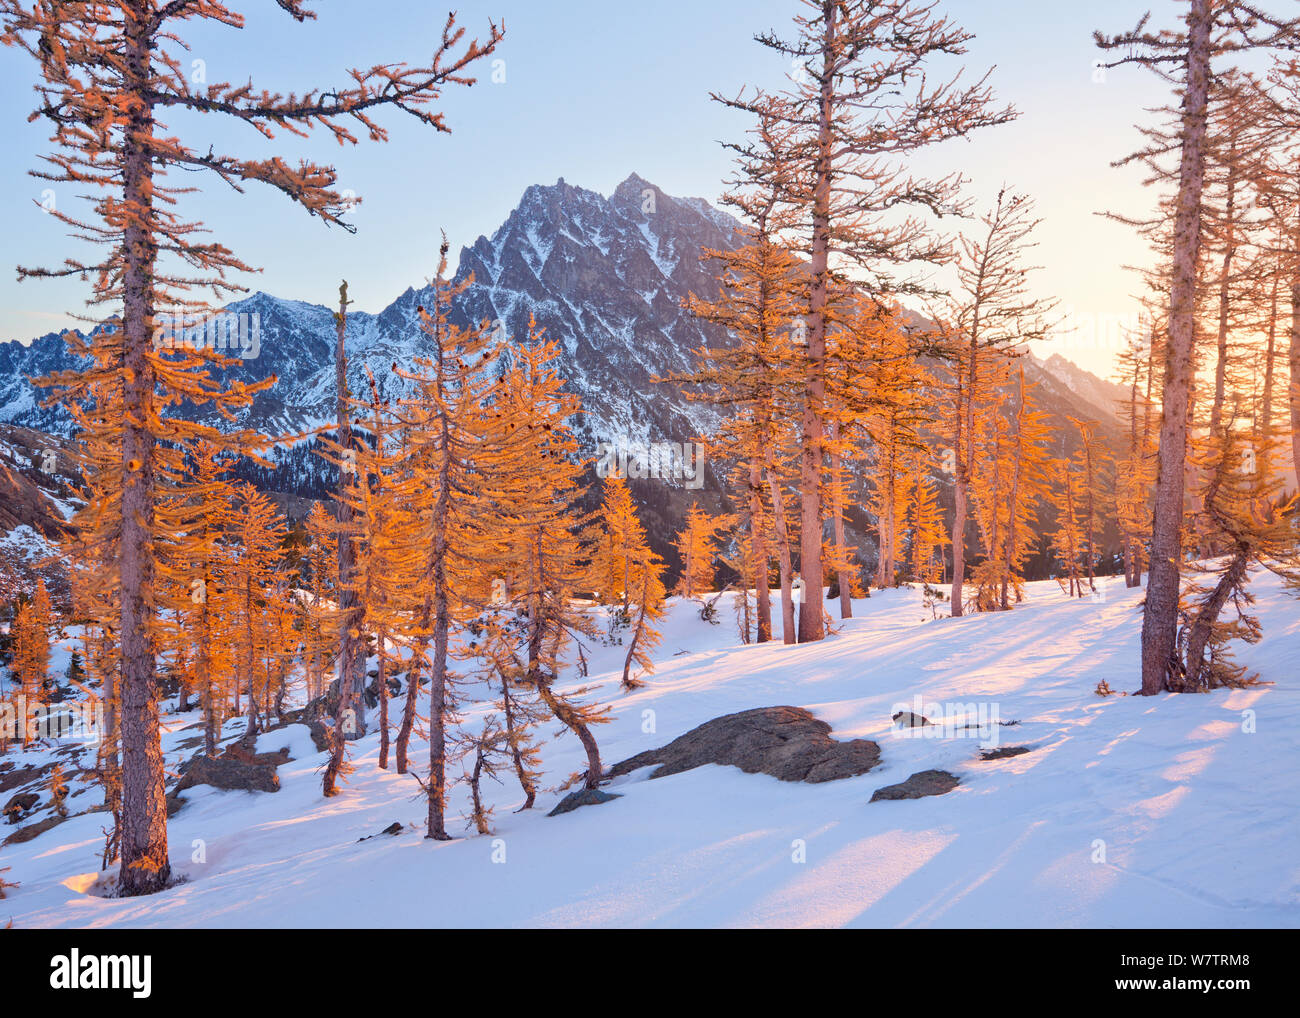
(1010, 482)
(254, 538)
(108, 72)
(991, 313)
(1029, 487)
(31, 664)
(448, 431)
(621, 543)
(1135, 471)
(860, 102)
(1067, 539)
(756, 376)
(539, 484)
(342, 451)
(204, 593)
(388, 552)
(923, 525)
(628, 575)
(1185, 58)
(697, 543)
(1090, 461)
(317, 615)
(887, 402)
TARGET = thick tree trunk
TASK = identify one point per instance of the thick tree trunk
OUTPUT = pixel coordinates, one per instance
(1294, 360)
(145, 865)
(811, 626)
(437, 779)
(403, 740)
(348, 719)
(1160, 616)
(436, 782)
(958, 545)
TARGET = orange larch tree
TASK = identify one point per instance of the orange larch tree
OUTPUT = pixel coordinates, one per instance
(109, 71)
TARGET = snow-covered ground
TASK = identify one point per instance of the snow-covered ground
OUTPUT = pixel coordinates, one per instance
(1168, 811)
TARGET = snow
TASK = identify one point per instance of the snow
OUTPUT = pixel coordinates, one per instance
(23, 542)
(1170, 811)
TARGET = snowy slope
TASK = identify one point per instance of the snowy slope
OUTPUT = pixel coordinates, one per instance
(1197, 818)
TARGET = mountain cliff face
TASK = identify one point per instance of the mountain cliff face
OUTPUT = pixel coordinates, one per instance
(603, 276)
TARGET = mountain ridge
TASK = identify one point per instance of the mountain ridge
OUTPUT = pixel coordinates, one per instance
(602, 276)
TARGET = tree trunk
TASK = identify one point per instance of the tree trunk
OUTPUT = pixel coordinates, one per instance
(1294, 359)
(958, 545)
(783, 557)
(516, 754)
(1265, 428)
(436, 783)
(758, 540)
(837, 476)
(1160, 616)
(347, 720)
(145, 865)
(403, 740)
(381, 686)
(810, 475)
(570, 719)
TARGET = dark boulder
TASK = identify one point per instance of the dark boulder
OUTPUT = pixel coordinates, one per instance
(23, 802)
(788, 743)
(240, 752)
(228, 773)
(25, 834)
(919, 785)
(1002, 752)
(582, 797)
(393, 829)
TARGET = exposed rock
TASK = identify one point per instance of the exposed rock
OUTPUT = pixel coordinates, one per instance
(1003, 751)
(320, 736)
(919, 785)
(25, 834)
(394, 828)
(582, 797)
(228, 773)
(23, 802)
(238, 751)
(906, 719)
(17, 776)
(312, 718)
(786, 742)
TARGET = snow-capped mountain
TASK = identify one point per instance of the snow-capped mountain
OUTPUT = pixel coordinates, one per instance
(604, 277)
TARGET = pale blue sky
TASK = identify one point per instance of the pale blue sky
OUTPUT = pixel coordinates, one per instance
(594, 91)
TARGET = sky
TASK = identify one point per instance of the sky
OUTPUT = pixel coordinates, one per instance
(591, 92)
